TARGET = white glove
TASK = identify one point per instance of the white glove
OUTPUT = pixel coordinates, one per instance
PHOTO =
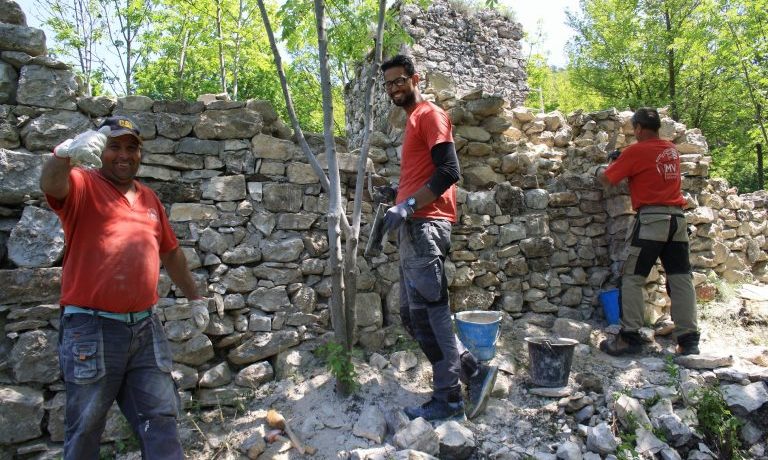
(596, 170)
(85, 148)
(200, 316)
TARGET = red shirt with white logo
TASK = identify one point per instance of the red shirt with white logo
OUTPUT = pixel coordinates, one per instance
(427, 126)
(653, 169)
(112, 258)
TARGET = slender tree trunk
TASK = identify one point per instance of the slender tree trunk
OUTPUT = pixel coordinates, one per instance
(238, 42)
(350, 270)
(182, 65)
(220, 36)
(671, 72)
(760, 171)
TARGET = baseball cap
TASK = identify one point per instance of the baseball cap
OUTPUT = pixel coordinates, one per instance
(121, 126)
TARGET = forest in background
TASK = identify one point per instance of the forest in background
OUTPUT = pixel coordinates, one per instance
(706, 60)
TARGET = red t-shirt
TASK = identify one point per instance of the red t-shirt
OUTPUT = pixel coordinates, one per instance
(112, 258)
(653, 169)
(426, 127)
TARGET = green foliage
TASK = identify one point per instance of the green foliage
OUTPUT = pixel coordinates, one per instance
(339, 362)
(719, 427)
(672, 369)
(703, 59)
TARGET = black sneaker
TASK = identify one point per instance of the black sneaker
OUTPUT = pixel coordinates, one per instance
(480, 387)
(435, 409)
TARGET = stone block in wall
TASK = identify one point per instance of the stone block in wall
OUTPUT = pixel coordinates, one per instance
(481, 176)
(264, 108)
(11, 13)
(254, 375)
(537, 247)
(486, 106)
(228, 124)
(263, 345)
(174, 126)
(180, 161)
(198, 146)
(19, 176)
(511, 199)
(45, 87)
(24, 285)
(473, 133)
(194, 351)
(297, 221)
(264, 146)
(282, 197)
(225, 188)
(183, 212)
(37, 240)
(134, 103)
(269, 299)
(223, 396)
(285, 250)
(158, 172)
(8, 83)
(185, 377)
(34, 357)
(216, 376)
(97, 106)
(181, 107)
(368, 309)
(21, 413)
(15, 37)
(471, 298)
(9, 134)
(301, 173)
(51, 128)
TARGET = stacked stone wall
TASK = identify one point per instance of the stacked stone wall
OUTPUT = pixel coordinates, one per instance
(537, 236)
(476, 51)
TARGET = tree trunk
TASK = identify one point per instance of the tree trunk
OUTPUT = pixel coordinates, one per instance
(671, 72)
(760, 172)
(220, 36)
(182, 65)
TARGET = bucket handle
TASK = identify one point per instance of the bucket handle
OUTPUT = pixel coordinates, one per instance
(548, 344)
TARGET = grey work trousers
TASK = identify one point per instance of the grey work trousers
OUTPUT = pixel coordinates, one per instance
(660, 232)
(424, 308)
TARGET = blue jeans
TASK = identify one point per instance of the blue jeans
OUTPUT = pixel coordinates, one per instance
(104, 360)
(424, 307)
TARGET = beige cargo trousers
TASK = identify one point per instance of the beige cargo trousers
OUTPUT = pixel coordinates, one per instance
(659, 232)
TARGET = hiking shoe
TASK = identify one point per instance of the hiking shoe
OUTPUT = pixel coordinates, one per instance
(626, 343)
(480, 387)
(688, 344)
(435, 409)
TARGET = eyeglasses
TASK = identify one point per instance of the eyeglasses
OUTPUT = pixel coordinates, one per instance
(399, 81)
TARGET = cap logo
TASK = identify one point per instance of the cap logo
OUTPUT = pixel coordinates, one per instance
(125, 124)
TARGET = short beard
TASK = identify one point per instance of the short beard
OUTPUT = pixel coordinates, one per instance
(407, 100)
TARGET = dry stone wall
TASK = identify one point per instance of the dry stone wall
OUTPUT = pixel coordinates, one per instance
(478, 51)
(537, 237)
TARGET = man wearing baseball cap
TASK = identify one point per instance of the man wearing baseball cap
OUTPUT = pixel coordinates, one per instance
(111, 346)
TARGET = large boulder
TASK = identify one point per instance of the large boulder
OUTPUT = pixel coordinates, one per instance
(45, 87)
(15, 37)
(51, 128)
(21, 412)
(37, 240)
(228, 124)
(25, 285)
(19, 176)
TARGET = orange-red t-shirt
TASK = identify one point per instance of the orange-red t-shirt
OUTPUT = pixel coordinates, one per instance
(426, 127)
(112, 258)
(653, 169)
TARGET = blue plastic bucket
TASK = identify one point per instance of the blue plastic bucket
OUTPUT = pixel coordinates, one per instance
(609, 299)
(478, 331)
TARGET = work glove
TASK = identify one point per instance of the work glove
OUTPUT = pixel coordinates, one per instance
(614, 155)
(384, 194)
(200, 316)
(85, 148)
(595, 170)
(396, 215)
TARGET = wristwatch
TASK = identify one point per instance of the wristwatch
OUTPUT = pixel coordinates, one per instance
(411, 204)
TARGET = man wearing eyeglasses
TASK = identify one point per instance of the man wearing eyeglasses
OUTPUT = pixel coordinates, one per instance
(425, 210)
(652, 166)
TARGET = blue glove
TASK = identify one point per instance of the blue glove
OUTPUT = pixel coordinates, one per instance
(396, 215)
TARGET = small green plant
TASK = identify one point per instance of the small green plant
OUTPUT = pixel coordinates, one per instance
(672, 369)
(339, 362)
(719, 427)
(650, 402)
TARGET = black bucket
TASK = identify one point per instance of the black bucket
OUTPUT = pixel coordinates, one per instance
(550, 360)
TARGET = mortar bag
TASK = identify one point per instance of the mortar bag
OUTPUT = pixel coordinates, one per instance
(376, 238)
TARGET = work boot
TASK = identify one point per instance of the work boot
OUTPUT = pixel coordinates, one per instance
(480, 387)
(688, 344)
(436, 409)
(626, 343)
